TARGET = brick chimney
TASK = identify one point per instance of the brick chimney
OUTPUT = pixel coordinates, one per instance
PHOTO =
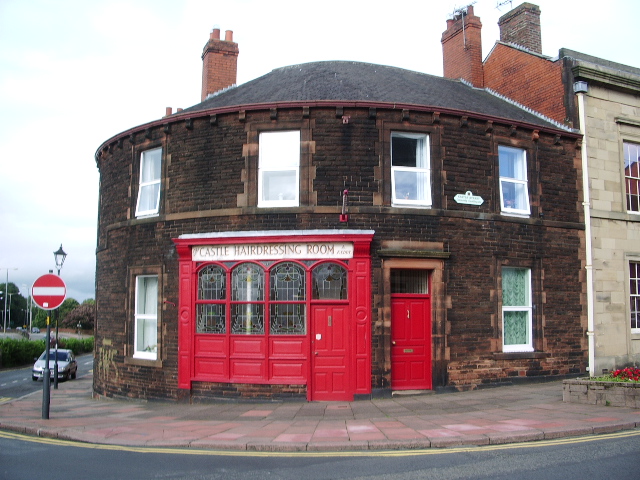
(522, 27)
(462, 47)
(219, 63)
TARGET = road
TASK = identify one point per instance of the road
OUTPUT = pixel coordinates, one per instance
(603, 456)
(17, 382)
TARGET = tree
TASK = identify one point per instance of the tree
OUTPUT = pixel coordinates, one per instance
(67, 307)
(16, 305)
(83, 315)
(40, 317)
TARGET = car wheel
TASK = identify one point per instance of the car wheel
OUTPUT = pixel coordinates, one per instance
(73, 375)
(35, 379)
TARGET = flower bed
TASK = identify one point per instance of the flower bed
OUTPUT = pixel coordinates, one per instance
(621, 390)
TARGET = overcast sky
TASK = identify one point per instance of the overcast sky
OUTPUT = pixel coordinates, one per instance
(74, 73)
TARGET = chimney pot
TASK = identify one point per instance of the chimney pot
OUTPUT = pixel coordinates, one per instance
(215, 34)
(168, 111)
(462, 48)
(228, 36)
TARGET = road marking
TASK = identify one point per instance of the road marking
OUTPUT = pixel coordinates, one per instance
(5, 399)
(357, 453)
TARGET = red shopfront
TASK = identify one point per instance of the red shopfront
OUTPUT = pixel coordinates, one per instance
(277, 308)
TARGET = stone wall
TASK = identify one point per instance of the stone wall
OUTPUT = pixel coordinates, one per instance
(610, 394)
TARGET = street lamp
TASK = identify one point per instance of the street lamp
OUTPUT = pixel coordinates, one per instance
(59, 257)
(6, 288)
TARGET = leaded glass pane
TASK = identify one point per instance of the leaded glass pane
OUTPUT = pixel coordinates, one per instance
(516, 331)
(515, 288)
(247, 283)
(211, 319)
(329, 282)
(287, 282)
(212, 283)
(248, 318)
(288, 319)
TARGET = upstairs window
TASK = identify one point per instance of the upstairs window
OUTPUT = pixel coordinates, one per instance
(279, 169)
(514, 192)
(146, 317)
(149, 191)
(632, 176)
(410, 171)
(517, 323)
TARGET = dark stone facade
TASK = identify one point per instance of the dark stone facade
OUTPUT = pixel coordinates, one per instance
(209, 185)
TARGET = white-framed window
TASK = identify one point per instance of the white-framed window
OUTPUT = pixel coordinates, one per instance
(149, 191)
(632, 176)
(634, 295)
(279, 169)
(146, 317)
(410, 170)
(514, 192)
(517, 328)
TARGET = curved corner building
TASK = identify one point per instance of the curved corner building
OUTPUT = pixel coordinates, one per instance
(333, 231)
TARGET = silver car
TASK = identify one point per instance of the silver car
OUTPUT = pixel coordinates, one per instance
(67, 365)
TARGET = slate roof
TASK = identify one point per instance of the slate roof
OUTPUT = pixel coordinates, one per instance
(345, 81)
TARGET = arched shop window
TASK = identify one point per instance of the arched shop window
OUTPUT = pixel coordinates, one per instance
(212, 289)
(247, 299)
(329, 282)
(288, 295)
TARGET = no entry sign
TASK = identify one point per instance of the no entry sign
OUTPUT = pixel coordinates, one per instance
(49, 291)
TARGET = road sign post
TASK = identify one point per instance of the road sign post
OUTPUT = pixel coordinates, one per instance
(48, 292)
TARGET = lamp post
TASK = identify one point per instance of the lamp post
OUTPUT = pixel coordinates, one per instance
(9, 310)
(59, 257)
(6, 288)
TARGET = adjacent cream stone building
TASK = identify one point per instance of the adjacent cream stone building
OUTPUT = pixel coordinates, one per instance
(609, 110)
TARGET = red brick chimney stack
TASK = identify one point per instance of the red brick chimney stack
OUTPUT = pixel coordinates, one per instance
(462, 47)
(522, 27)
(219, 63)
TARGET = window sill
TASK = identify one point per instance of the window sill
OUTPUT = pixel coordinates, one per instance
(519, 355)
(143, 362)
(507, 213)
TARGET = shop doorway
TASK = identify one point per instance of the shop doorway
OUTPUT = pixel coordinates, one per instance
(410, 330)
(330, 359)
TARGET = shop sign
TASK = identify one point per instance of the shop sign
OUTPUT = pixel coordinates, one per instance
(272, 251)
(468, 198)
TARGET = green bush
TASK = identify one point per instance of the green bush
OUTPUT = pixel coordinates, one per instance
(20, 352)
(16, 353)
(78, 346)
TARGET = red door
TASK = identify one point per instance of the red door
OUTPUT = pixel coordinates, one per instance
(410, 342)
(330, 361)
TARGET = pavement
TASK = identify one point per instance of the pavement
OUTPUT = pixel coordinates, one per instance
(506, 414)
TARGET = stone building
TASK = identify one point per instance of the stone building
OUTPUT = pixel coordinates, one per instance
(333, 231)
(602, 98)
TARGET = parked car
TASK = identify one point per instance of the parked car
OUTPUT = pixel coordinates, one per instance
(35, 330)
(67, 365)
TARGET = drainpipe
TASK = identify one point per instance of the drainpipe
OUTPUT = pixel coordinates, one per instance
(580, 88)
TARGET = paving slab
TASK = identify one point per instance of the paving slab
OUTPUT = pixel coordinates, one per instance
(506, 414)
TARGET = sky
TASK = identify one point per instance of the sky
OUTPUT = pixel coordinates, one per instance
(74, 73)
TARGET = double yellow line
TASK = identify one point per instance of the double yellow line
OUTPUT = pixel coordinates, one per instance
(355, 453)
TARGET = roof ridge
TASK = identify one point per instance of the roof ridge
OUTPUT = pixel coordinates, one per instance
(526, 109)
